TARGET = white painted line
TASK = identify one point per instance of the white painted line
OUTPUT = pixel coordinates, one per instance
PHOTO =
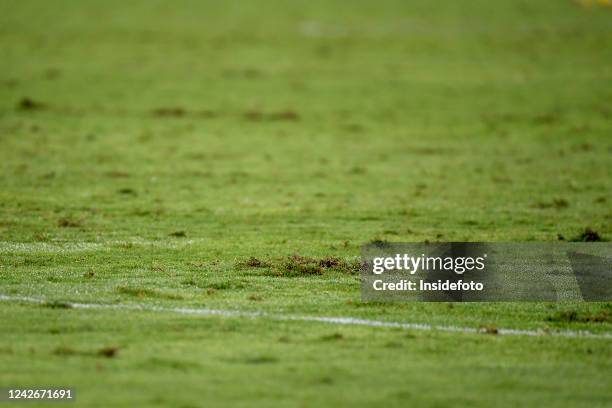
(321, 319)
(8, 247)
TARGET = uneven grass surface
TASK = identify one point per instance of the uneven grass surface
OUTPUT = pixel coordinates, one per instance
(235, 155)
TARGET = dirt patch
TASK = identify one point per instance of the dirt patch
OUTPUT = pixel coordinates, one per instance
(297, 265)
(260, 360)
(41, 237)
(258, 116)
(570, 316)
(28, 104)
(489, 329)
(169, 112)
(588, 235)
(255, 298)
(253, 262)
(65, 351)
(56, 304)
(329, 262)
(600, 200)
(379, 243)
(108, 352)
(583, 147)
(179, 112)
(253, 115)
(68, 223)
(89, 274)
(557, 203)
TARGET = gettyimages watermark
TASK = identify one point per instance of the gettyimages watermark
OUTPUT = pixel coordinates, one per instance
(486, 272)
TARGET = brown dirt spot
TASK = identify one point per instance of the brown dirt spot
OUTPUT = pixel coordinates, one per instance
(253, 115)
(65, 351)
(255, 298)
(28, 104)
(253, 262)
(297, 265)
(557, 203)
(56, 304)
(569, 316)
(108, 352)
(287, 115)
(65, 222)
(588, 235)
(488, 329)
(600, 200)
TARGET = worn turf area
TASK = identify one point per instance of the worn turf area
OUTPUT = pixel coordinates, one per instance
(235, 155)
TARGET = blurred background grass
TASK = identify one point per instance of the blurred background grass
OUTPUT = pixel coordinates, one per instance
(313, 121)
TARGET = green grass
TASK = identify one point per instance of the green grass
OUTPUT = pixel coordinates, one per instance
(150, 152)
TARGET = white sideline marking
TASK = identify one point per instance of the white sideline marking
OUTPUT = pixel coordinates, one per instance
(7, 247)
(321, 319)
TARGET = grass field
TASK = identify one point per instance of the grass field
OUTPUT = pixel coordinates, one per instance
(236, 155)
